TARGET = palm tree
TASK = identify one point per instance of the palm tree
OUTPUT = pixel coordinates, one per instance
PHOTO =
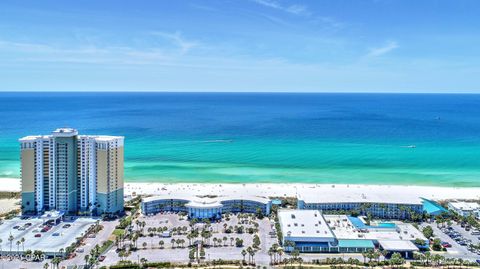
(23, 243)
(173, 242)
(244, 253)
(46, 265)
(224, 240)
(295, 255)
(161, 243)
(364, 255)
(56, 261)
(300, 260)
(10, 239)
(144, 245)
(280, 253)
(253, 255)
(231, 241)
(428, 256)
(86, 258)
(249, 251)
(270, 253)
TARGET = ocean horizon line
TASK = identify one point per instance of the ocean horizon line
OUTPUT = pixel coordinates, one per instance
(242, 92)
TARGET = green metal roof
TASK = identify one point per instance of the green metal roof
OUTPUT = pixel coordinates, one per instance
(355, 243)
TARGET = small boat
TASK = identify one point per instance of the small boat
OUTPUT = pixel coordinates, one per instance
(409, 146)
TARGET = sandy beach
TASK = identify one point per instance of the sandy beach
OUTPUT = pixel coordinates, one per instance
(282, 189)
(7, 205)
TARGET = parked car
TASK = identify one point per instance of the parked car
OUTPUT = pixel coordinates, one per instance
(80, 250)
(66, 226)
(15, 227)
(55, 234)
(38, 235)
(101, 258)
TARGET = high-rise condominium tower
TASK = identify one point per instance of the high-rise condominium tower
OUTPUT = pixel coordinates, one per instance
(72, 173)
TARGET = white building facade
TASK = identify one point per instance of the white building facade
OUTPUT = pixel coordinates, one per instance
(465, 209)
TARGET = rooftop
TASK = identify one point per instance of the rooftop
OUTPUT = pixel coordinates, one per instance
(467, 206)
(205, 200)
(355, 194)
(69, 132)
(343, 228)
(355, 243)
(65, 132)
(304, 223)
(397, 245)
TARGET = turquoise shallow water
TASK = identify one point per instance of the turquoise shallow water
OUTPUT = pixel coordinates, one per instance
(244, 138)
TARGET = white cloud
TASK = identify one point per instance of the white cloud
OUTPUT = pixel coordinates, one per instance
(379, 51)
(295, 9)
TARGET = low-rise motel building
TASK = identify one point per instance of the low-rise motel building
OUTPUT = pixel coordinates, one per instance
(375, 203)
(72, 173)
(465, 209)
(206, 207)
(309, 231)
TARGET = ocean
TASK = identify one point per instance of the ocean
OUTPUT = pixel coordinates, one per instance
(406, 139)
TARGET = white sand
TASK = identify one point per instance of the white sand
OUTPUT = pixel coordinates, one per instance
(7, 205)
(281, 189)
(287, 189)
(10, 184)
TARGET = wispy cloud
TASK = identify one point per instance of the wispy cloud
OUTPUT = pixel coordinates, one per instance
(292, 9)
(379, 51)
(177, 39)
(84, 54)
(302, 11)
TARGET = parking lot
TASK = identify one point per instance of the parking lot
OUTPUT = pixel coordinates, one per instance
(222, 249)
(463, 237)
(36, 237)
(459, 239)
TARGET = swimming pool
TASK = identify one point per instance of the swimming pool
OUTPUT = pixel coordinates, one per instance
(358, 223)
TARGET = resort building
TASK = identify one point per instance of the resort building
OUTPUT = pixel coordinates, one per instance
(307, 231)
(390, 236)
(310, 231)
(375, 203)
(465, 209)
(71, 173)
(206, 207)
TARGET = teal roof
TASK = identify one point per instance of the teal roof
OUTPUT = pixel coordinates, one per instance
(355, 243)
(432, 207)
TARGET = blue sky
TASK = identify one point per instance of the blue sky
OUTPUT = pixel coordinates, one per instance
(240, 45)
